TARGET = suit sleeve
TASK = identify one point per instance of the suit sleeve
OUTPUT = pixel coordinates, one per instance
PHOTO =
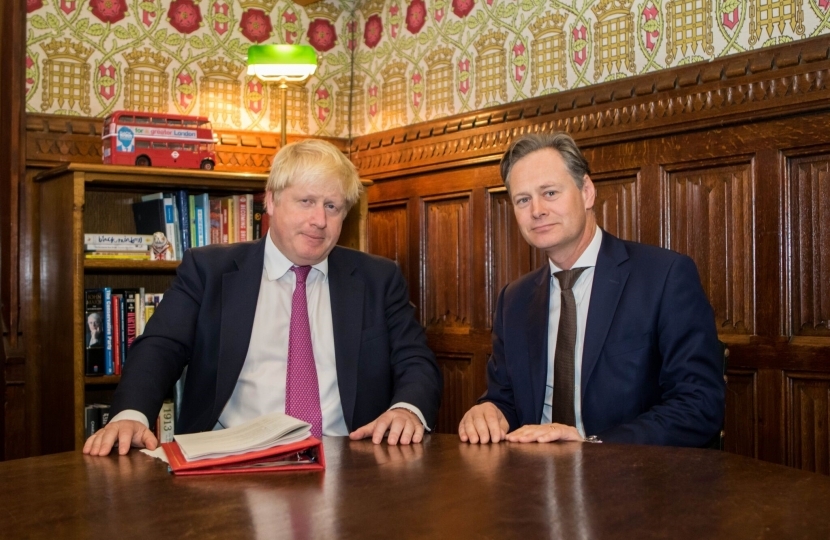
(416, 377)
(499, 386)
(158, 357)
(690, 412)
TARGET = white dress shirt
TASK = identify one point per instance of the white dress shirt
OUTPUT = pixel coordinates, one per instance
(260, 388)
(582, 296)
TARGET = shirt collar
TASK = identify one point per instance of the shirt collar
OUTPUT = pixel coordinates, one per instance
(277, 264)
(588, 257)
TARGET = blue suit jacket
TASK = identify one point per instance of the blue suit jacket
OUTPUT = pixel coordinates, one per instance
(651, 364)
(206, 319)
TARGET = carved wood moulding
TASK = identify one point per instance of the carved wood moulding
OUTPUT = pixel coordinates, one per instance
(52, 139)
(753, 86)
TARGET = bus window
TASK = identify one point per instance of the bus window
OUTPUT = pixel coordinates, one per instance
(174, 122)
(205, 125)
(191, 123)
(176, 146)
(190, 147)
(159, 145)
(142, 120)
(160, 121)
(142, 144)
(126, 119)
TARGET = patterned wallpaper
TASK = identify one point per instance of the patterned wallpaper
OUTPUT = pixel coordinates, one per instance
(383, 63)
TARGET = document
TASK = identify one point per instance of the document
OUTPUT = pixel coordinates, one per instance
(275, 429)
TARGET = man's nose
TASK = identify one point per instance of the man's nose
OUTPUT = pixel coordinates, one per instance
(537, 209)
(318, 216)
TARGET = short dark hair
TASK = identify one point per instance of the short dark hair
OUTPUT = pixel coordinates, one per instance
(533, 142)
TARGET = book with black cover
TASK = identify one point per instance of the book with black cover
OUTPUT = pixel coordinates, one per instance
(149, 217)
(94, 332)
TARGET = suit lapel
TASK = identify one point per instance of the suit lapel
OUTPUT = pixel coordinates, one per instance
(240, 291)
(537, 338)
(346, 292)
(609, 281)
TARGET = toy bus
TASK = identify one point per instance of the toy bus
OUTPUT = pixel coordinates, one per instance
(158, 140)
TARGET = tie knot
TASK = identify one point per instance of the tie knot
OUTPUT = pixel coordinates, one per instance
(301, 272)
(567, 278)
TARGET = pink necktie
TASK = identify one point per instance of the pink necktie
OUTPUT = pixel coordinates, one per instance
(302, 393)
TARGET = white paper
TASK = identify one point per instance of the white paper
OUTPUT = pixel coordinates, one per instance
(273, 429)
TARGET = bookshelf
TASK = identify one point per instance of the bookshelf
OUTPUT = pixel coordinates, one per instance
(76, 198)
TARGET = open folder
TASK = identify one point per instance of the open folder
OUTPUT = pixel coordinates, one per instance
(274, 442)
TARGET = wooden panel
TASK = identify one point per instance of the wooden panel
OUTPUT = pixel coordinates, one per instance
(388, 228)
(446, 264)
(458, 394)
(616, 205)
(740, 424)
(808, 412)
(810, 245)
(510, 256)
(710, 219)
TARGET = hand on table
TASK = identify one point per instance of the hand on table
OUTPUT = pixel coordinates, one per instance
(482, 424)
(402, 424)
(544, 433)
(126, 433)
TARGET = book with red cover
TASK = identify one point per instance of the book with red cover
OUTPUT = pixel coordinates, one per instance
(274, 459)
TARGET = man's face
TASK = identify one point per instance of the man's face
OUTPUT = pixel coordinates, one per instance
(94, 325)
(552, 212)
(305, 221)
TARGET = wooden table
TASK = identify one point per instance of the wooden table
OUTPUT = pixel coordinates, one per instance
(440, 489)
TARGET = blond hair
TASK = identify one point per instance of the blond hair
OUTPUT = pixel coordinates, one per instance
(313, 162)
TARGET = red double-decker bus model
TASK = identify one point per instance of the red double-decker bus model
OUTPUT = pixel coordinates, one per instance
(160, 140)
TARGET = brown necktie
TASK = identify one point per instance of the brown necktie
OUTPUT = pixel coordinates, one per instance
(563, 360)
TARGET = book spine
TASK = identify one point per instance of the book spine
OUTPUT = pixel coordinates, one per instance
(226, 214)
(203, 201)
(119, 239)
(243, 216)
(108, 367)
(258, 210)
(183, 208)
(200, 226)
(137, 248)
(140, 320)
(249, 202)
(191, 209)
(170, 227)
(215, 221)
(94, 332)
(233, 219)
(130, 316)
(116, 334)
(167, 421)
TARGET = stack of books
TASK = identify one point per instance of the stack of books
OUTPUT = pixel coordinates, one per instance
(117, 246)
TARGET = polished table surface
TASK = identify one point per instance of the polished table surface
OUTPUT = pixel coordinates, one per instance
(439, 489)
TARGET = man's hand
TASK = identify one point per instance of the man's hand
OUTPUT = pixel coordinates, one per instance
(126, 433)
(482, 424)
(544, 433)
(402, 424)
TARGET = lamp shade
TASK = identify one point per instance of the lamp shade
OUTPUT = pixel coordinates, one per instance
(289, 63)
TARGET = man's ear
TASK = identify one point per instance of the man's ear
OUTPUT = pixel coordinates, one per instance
(270, 202)
(589, 192)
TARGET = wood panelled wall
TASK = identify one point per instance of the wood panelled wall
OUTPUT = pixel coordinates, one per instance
(728, 162)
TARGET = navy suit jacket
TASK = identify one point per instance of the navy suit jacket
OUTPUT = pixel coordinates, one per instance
(651, 364)
(206, 318)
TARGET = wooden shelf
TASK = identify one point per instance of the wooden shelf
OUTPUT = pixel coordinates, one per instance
(126, 265)
(100, 381)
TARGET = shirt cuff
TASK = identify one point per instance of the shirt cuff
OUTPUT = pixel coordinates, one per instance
(411, 408)
(131, 414)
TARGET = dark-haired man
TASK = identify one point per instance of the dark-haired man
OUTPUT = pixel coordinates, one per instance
(611, 341)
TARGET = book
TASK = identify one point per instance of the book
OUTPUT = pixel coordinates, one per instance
(149, 218)
(125, 248)
(123, 240)
(166, 422)
(241, 205)
(183, 214)
(191, 212)
(130, 255)
(94, 332)
(108, 366)
(117, 336)
(92, 420)
(215, 221)
(273, 442)
(170, 224)
(257, 211)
